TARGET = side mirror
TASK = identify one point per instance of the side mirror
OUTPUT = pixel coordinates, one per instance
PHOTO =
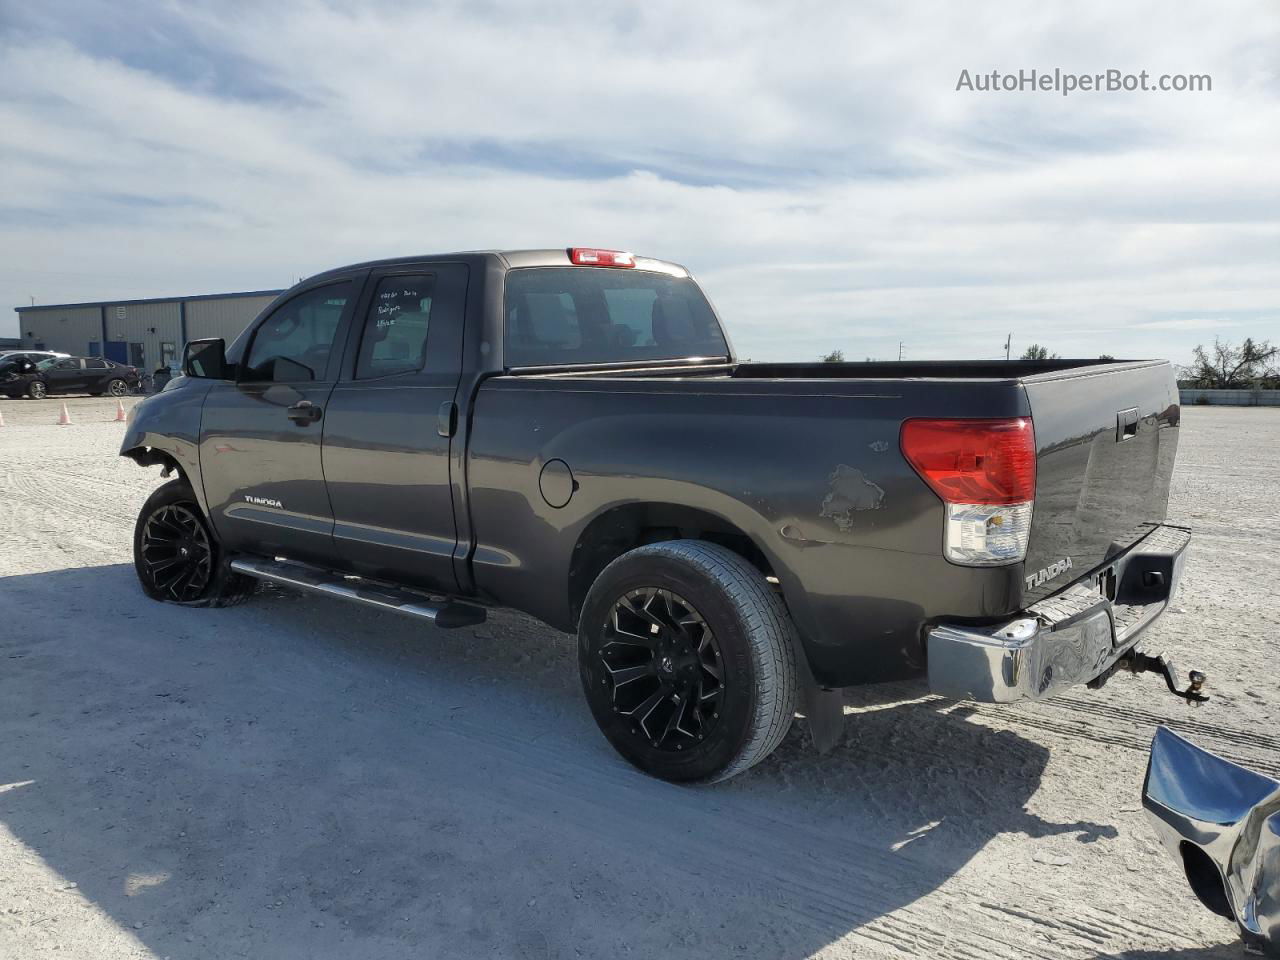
(206, 359)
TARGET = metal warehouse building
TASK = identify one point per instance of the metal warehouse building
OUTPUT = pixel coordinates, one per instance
(143, 333)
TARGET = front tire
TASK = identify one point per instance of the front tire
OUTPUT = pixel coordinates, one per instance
(37, 390)
(687, 660)
(117, 388)
(177, 557)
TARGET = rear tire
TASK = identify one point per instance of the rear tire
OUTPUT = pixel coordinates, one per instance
(687, 660)
(177, 557)
(37, 390)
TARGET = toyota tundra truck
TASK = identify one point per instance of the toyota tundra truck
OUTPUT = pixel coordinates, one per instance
(567, 432)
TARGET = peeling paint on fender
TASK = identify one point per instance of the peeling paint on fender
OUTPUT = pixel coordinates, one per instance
(850, 492)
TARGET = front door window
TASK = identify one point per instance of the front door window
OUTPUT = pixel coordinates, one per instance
(294, 343)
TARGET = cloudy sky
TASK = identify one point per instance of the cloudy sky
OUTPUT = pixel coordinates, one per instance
(814, 165)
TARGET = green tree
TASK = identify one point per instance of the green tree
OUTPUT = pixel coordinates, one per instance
(1225, 366)
(835, 356)
(1037, 352)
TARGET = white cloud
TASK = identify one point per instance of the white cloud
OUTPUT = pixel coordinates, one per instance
(818, 172)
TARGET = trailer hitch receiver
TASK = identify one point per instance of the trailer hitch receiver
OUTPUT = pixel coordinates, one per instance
(1138, 662)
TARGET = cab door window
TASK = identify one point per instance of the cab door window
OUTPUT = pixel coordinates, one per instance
(394, 338)
(293, 344)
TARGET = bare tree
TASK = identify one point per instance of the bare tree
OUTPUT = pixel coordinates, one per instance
(1037, 352)
(1225, 366)
(835, 356)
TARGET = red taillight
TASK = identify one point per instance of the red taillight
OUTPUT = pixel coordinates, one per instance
(974, 461)
(591, 257)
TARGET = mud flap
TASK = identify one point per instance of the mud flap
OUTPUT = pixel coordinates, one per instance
(822, 706)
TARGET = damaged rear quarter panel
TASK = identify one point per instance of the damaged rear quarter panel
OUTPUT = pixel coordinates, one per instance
(850, 492)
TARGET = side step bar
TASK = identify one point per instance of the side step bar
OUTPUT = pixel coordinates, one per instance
(373, 593)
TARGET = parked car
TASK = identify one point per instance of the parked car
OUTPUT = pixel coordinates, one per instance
(34, 356)
(1221, 822)
(63, 375)
(731, 541)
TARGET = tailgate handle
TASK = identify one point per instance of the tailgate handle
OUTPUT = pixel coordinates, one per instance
(1126, 424)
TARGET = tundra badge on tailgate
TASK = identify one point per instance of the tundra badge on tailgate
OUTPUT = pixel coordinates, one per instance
(1045, 574)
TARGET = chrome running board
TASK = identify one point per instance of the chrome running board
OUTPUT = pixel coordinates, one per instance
(372, 593)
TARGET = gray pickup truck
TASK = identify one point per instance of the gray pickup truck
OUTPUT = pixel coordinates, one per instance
(568, 433)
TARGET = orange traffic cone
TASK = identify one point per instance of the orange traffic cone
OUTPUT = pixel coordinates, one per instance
(65, 419)
(120, 416)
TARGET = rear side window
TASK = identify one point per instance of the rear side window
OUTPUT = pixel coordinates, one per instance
(394, 339)
(572, 315)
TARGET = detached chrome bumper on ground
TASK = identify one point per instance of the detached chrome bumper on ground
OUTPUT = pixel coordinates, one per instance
(1069, 638)
(1222, 823)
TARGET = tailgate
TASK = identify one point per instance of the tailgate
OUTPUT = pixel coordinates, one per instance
(1106, 437)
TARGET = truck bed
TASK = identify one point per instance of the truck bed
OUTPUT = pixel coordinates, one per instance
(1097, 493)
(804, 458)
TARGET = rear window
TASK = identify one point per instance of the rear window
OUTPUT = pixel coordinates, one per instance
(569, 315)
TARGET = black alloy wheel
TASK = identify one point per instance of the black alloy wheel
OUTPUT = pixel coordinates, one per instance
(175, 555)
(687, 659)
(663, 668)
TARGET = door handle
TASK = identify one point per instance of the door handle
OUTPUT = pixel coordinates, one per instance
(447, 419)
(304, 412)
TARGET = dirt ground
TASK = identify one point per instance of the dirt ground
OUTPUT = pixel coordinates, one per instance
(298, 778)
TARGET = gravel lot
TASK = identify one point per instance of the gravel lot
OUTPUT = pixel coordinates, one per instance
(300, 778)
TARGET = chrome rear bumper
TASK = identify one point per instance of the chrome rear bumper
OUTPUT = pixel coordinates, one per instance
(1071, 637)
(1221, 822)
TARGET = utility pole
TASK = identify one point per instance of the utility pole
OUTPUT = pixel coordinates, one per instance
(899, 351)
(1008, 342)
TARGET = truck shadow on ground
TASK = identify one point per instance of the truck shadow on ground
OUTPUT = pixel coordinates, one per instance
(299, 778)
